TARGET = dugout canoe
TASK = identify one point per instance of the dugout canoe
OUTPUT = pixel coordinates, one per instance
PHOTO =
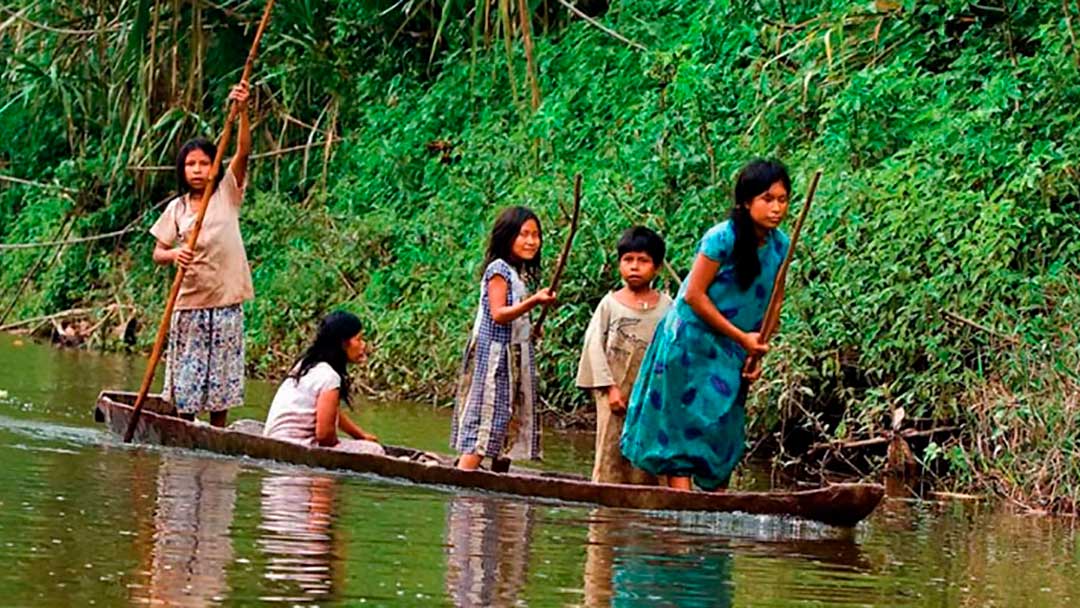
(842, 505)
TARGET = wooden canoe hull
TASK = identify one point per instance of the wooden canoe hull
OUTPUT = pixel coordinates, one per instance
(841, 505)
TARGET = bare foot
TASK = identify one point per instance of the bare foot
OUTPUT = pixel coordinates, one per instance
(469, 462)
(679, 483)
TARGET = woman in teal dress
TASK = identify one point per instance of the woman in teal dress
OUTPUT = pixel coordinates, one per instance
(686, 416)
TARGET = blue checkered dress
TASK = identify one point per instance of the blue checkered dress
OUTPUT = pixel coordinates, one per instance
(495, 412)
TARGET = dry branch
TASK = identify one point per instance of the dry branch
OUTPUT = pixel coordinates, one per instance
(87, 239)
(63, 314)
(26, 182)
(952, 317)
(863, 443)
(602, 27)
(271, 154)
(56, 30)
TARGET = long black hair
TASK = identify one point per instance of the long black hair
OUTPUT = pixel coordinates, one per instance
(329, 347)
(199, 143)
(500, 245)
(754, 179)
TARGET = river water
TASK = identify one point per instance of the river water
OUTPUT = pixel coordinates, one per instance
(85, 521)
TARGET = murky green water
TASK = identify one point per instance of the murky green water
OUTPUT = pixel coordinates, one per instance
(85, 521)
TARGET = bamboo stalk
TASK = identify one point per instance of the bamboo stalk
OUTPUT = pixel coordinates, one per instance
(200, 56)
(508, 35)
(487, 23)
(166, 317)
(175, 63)
(525, 17)
(329, 143)
(151, 73)
(561, 265)
(311, 141)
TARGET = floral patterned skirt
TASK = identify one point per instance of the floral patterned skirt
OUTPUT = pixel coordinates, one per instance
(204, 370)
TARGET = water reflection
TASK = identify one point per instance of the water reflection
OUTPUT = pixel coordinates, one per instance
(84, 522)
(296, 536)
(192, 546)
(632, 561)
(688, 559)
(488, 543)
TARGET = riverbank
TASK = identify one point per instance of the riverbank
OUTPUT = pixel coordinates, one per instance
(937, 273)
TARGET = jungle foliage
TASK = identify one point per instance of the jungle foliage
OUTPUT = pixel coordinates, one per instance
(937, 273)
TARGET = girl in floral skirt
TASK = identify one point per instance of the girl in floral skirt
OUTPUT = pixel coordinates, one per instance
(204, 370)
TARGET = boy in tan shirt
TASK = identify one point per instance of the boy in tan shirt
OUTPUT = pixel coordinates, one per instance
(615, 343)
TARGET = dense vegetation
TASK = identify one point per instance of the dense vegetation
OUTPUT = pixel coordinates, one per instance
(938, 272)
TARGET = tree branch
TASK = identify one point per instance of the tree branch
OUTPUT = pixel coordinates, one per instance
(271, 154)
(26, 182)
(56, 30)
(862, 443)
(602, 27)
(86, 239)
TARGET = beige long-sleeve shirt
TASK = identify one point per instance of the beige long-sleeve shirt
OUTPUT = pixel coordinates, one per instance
(615, 343)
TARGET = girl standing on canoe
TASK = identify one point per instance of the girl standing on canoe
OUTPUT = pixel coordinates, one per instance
(204, 371)
(686, 414)
(307, 406)
(495, 413)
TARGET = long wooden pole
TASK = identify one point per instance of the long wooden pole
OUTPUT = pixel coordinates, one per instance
(170, 304)
(561, 265)
(776, 301)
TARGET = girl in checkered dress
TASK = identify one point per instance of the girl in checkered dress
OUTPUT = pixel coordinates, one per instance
(495, 413)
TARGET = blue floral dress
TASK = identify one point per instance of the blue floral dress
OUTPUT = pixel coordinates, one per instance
(686, 413)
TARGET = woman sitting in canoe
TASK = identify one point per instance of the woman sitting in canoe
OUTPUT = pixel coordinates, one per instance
(685, 416)
(307, 406)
